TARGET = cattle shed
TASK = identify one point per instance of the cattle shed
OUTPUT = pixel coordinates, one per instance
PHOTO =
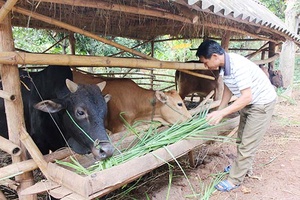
(144, 20)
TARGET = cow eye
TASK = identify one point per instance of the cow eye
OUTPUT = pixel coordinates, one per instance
(179, 104)
(80, 113)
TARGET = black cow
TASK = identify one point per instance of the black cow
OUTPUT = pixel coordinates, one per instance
(78, 111)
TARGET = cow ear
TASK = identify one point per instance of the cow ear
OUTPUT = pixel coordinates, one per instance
(71, 85)
(161, 96)
(107, 97)
(102, 85)
(48, 106)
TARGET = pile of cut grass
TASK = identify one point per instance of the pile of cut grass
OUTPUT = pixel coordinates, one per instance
(151, 140)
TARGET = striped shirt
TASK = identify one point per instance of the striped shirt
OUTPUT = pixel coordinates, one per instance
(245, 74)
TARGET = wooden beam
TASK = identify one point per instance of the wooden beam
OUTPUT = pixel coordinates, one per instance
(259, 50)
(34, 151)
(96, 61)
(266, 61)
(198, 74)
(9, 147)
(6, 8)
(29, 165)
(7, 95)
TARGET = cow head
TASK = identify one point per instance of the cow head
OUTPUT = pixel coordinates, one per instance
(276, 79)
(172, 109)
(83, 118)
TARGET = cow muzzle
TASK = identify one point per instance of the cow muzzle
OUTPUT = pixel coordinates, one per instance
(102, 150)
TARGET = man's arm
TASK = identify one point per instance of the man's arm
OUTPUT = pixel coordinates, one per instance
(216, 116)
(225, 98)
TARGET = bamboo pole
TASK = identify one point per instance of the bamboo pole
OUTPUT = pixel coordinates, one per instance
(198, 74)
(259, 50)
(9, 147)
(269, 60)
(7, 96)
(14, 109)
(29, 165)
(76, 30)
(6, 8)
(75, 60)
(34, 151)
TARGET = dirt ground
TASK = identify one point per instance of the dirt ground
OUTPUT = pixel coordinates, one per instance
(276, 167)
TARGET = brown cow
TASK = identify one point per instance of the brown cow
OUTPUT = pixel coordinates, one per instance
(189, 84)
(137, 103)
(274, 76)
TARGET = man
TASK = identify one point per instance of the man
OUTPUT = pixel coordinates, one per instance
(255, 103)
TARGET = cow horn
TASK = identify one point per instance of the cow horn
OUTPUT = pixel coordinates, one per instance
(71, 85)
(101, 85)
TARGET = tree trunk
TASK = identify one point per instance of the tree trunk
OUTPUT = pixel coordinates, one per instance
(287, 58)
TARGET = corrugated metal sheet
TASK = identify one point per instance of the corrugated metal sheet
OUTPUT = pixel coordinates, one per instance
(251, 11)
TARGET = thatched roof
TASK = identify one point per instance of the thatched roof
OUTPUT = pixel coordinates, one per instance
(147, 19)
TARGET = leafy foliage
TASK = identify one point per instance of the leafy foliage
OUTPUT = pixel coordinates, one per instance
(276, 6)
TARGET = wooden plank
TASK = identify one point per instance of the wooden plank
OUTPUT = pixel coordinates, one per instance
(103, 182)
(69, 179)
(40, 187)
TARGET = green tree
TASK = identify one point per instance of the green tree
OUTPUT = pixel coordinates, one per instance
(276, 6)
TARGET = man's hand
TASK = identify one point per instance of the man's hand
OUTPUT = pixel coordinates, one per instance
(215, 117)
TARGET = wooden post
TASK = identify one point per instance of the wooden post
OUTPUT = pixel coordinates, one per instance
(225, 40)
(225, 44)
(72, 43)
(272, 52)
(14, 109)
